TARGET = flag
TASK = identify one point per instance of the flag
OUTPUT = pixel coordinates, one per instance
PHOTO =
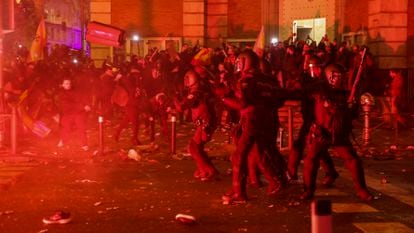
(39, 42)
(259, 45)
(203, 57)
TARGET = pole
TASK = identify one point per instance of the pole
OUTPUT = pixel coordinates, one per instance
(101, 135)
(13, 131)
(82, 22)
(321, 214)
(173, 134)
(1, 46)
(290, 128)
(366, 130)
(280, 138)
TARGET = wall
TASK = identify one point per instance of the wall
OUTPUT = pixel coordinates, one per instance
(244, 18)
(153, 18)
(387, 28)
(291, 10)
(355, 16)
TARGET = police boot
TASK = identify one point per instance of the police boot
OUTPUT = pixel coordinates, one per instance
(293, 163)
(203, 166)
(310, 172)
(254, 175)
(358, 177)
(330, 172)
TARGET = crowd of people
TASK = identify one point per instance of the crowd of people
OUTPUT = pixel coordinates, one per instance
(212, 87)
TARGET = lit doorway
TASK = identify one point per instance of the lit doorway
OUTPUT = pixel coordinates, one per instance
(313, 29)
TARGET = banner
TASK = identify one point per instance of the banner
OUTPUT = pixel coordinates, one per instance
(39, 42)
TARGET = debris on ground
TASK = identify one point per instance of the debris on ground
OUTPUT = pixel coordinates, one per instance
(185, 218)
(97, 203)
(134, 155)
(59, 217)
(7, 212)
(86, 181)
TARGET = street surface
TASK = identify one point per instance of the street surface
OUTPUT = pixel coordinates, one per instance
(113, 193)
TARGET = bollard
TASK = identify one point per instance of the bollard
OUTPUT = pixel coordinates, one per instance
(101, 134)
(13, 131)
(280, 138)
(367, 101)
(173, 134)
(290, 128)
(321, 216)
(366, 130)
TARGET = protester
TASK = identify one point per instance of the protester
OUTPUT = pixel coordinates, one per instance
(73, 111)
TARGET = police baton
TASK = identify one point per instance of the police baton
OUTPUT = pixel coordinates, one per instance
(321, 216)
(173, 134)
(101, 135)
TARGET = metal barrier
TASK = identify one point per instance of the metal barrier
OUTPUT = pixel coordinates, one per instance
(287, 118)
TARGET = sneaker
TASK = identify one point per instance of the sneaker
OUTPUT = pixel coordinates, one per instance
(58, 217)
(85, 148)
(60, 144)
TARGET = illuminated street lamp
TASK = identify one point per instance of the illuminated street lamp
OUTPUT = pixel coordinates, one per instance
(134, 40)
(274, 40)
(135, 37)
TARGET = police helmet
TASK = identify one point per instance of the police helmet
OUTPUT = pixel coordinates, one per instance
(247, 60)
(335, 73)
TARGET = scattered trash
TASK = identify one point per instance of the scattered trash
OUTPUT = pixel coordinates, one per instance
(185, 218)
(393, 147)
(384, 180)
(7, 212)
(294, 203)
(403, 170)
(59, 217)
(43, 231)
(226, 200)
(271, 206)
(152, 161)
(86, 181)
(410, 147)
(133, 154)
(242, 229)
(98, 203)
(28, 153)
(112, 208)
(177, 157)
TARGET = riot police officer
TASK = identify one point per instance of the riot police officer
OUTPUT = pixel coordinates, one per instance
(200, 99)
(256, 127)
(312, 79)
(331, 127)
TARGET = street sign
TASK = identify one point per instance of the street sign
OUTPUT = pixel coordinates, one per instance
(104, 34)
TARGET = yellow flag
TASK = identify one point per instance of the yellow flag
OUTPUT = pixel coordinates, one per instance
(259, 45)
(39, 42)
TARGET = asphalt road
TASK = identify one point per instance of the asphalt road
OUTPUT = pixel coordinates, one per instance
(111, 193)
